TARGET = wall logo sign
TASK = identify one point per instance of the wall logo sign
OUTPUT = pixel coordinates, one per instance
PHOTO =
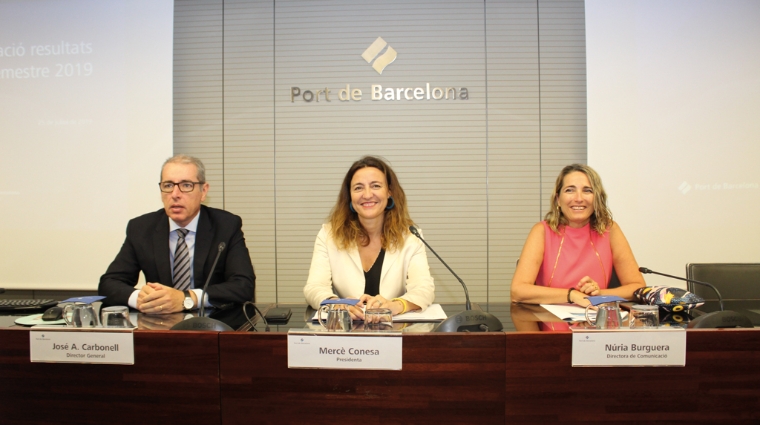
(383, 60)
(379, 60)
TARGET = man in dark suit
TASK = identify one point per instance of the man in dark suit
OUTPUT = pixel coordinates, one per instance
(175, 248)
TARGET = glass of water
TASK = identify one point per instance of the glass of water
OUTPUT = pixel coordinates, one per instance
(645, 317)
(115, 317)
(378, 319)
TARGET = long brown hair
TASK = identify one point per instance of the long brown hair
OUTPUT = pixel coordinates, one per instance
(600, 220)
(346, 228)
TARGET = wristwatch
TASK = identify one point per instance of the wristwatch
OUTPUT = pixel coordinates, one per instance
(188, 304)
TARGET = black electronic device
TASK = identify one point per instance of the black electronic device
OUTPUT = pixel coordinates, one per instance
(53, 313)
(201, 323)
(278, 315)
(21, 305)
(469, 320)
(716, 319)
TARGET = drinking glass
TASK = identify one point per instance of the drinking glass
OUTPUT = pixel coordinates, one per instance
(644, 317)
(115, 317)
(378, 319)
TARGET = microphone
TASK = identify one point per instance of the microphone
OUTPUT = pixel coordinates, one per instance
(468, 320)
(201, 323)
(716, 319)
(222, 245)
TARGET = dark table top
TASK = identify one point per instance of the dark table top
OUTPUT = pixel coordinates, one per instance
(235, 317)
(749, 308)
(514, 317)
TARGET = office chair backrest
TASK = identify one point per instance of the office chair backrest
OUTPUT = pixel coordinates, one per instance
(614, 281)
(735, 281)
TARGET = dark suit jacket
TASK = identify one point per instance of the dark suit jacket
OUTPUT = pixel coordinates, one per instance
(146, 249)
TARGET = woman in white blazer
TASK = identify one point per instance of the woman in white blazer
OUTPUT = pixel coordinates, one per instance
(366, 251)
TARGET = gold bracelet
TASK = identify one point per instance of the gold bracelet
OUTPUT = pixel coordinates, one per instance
(403, 302)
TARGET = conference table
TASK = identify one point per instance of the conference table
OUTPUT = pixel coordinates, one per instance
(519, 375)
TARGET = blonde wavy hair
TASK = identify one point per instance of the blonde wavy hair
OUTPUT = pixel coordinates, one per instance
(600, 220)
(346, 228)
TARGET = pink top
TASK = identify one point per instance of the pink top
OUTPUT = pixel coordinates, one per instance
(577, 258)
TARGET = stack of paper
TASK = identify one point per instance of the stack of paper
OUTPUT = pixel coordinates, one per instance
(434, 313)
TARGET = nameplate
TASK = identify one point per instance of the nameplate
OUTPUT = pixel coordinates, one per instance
(350, 350)
(629, 347)
(72, 345)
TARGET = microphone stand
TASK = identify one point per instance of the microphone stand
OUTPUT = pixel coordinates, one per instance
(468, 320)
(201, 323)
(716, 319)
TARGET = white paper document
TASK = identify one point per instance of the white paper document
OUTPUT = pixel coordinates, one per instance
(573, 313)
(434, 313)
(567, 312)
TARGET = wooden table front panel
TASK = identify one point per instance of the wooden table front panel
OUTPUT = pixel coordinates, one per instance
(175, 379)
(446, 379)
(719, 384)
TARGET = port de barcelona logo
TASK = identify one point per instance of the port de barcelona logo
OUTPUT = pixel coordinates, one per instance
(379, 55)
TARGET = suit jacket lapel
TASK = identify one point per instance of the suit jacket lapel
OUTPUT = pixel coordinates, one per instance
(354, 254)
(388, 261)
(161, 249)
(203, 237)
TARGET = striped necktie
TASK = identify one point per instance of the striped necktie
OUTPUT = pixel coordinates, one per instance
(181, 262)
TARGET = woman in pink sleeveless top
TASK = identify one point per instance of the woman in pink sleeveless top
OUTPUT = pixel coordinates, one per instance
(571, 254)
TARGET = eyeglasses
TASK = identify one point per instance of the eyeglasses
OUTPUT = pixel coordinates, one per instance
(184, 187)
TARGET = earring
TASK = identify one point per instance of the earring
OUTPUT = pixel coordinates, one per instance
(351, 207)
(391, 204)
